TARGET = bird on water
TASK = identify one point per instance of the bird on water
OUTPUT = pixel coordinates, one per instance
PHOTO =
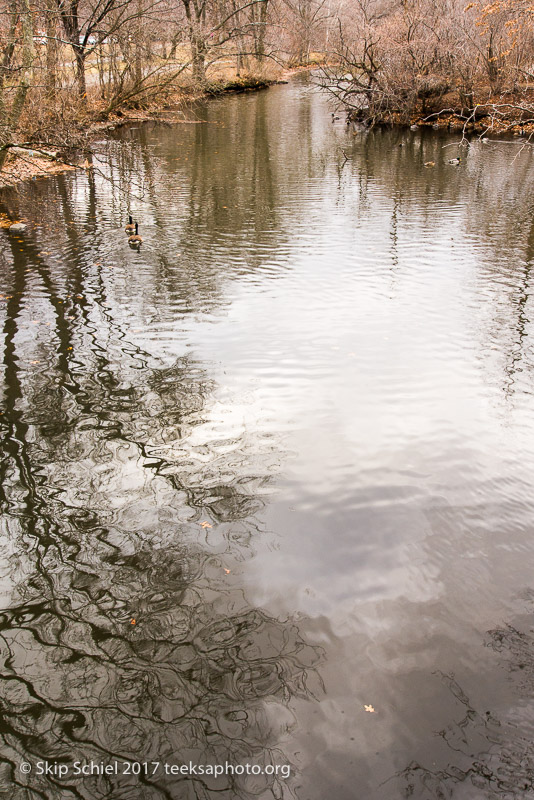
(130, 227)
(135, 238)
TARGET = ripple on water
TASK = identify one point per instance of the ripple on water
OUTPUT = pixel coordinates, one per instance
(274, 466)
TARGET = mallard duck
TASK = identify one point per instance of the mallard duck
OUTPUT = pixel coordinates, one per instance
(454, 161)
(130, 227)
(135, 238)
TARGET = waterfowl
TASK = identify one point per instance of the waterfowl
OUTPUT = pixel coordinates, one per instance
(454, 161)
(135, 238)
(130, 227)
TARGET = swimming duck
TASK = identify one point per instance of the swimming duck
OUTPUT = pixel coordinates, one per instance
(130, 227)
(135, 238)
(454, 161)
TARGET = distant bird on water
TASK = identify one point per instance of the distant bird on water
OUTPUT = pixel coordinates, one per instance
(135, 238)
(130, 227)
(454, 161)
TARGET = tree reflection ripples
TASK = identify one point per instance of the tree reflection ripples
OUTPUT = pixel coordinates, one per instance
(125, 636)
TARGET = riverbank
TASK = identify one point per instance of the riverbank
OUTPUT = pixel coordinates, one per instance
(26, 163)
(508, 113)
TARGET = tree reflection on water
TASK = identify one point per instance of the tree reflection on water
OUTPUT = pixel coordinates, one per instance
(125, 636)
(491, 756)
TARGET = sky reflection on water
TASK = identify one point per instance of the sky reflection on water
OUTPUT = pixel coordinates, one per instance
(292, 437)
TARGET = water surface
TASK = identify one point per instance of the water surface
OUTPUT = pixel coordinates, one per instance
(275, 466)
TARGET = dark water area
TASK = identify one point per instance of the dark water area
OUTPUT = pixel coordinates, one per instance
(267, 482)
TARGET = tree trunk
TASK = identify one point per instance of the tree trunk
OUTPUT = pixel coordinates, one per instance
(24, 73)
(26, 66)
(196, 41)
(79, 54)
(7, 56)
(260, 38)
(51, 53)
(71, 26)
(138, 60)
(198, 55)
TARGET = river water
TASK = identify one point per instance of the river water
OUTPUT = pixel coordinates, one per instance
(267, 482)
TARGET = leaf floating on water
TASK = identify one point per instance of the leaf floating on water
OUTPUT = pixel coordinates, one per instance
(370, 709)
(132, 621)
(205, 525)
(227, 571)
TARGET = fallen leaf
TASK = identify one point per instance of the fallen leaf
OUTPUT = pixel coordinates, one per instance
(132, 622)
(205, 525)
(227, 571)
(370, 709)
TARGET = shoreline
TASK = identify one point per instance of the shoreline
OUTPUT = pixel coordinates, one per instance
(508, 113)
(24, 165)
